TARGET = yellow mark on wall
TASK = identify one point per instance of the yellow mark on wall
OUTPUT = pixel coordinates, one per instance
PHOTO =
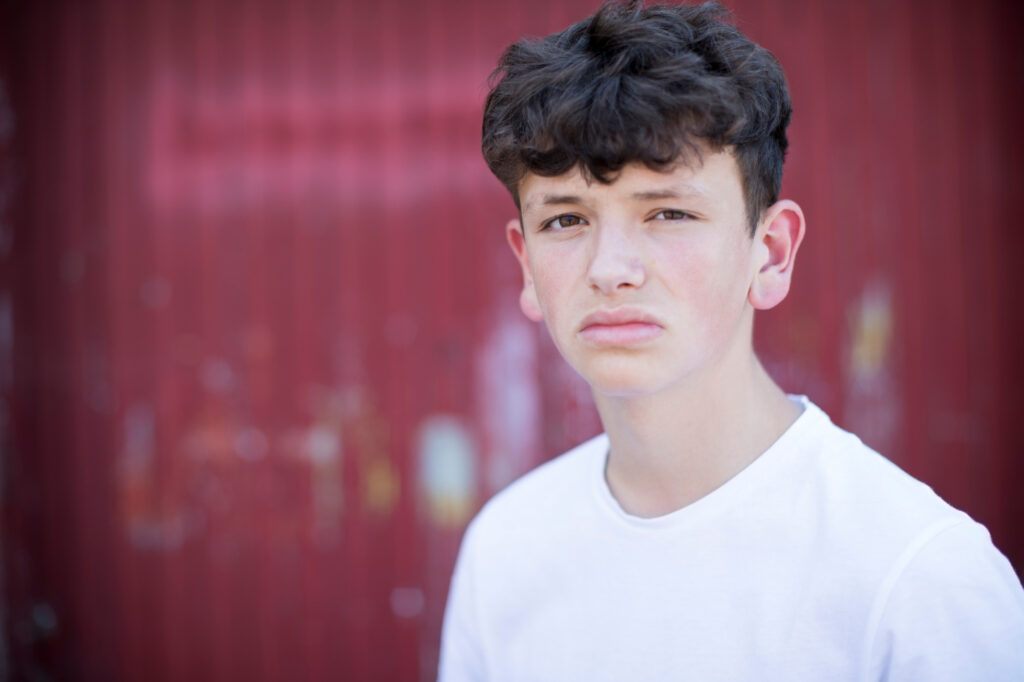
(871, 323)
(381, 486)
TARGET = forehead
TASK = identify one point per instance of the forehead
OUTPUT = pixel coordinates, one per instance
(713, 178)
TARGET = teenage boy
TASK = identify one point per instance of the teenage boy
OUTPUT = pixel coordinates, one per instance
(719, 529)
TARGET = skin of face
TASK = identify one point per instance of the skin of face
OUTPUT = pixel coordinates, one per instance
(647, 283)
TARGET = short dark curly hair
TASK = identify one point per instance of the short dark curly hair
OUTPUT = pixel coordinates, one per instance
(634, 84)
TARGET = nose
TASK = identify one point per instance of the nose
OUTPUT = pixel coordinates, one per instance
(615, 262)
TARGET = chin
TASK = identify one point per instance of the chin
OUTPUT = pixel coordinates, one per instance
(620, 380)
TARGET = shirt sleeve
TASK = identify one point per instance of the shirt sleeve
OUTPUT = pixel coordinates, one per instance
(461, 650)
(955, 613)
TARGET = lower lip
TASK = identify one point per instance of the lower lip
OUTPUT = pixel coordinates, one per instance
(629, 334)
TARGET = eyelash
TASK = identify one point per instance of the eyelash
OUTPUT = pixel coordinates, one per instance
(553, 223)
(679, 215)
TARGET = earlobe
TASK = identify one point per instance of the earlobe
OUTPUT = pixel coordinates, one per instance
(528, 297)
(778, 238)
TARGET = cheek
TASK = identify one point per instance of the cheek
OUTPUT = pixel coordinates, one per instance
(713, 280)
(694, 273)
(549, 284)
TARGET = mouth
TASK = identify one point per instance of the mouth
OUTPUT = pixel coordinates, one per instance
(619, 327)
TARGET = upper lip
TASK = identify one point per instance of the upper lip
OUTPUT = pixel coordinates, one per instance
(618, 316)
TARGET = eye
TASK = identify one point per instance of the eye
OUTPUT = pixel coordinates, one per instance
(671, 214)
(562, 222)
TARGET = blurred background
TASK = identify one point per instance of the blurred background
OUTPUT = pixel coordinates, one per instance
(260, 352)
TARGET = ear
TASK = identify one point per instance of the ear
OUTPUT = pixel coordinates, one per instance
(777, 238)
(528, 298)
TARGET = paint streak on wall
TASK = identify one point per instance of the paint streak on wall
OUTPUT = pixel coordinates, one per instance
(509, 398)
(872, 401)
(447, 467)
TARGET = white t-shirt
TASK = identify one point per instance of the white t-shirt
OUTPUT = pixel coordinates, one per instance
(819, 561)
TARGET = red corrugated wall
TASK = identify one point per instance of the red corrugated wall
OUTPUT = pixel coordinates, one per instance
(260, 349)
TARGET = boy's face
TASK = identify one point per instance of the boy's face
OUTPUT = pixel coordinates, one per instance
(643, 283)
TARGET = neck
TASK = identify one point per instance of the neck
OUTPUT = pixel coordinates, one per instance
(674, 447)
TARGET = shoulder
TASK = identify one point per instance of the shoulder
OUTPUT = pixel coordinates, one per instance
(852, 483)
(944, 603)
(951, 609)
(545, 494)
(522, 521)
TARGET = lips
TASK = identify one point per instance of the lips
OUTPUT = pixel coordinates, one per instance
(620, 327)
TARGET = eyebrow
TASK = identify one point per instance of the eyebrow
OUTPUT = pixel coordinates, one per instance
(649, 195)
(670, 193)
(558, 199)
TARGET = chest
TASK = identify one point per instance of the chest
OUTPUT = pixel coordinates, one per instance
(737, 605)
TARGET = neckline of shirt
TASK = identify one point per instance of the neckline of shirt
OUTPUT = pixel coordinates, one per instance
(774, 459)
